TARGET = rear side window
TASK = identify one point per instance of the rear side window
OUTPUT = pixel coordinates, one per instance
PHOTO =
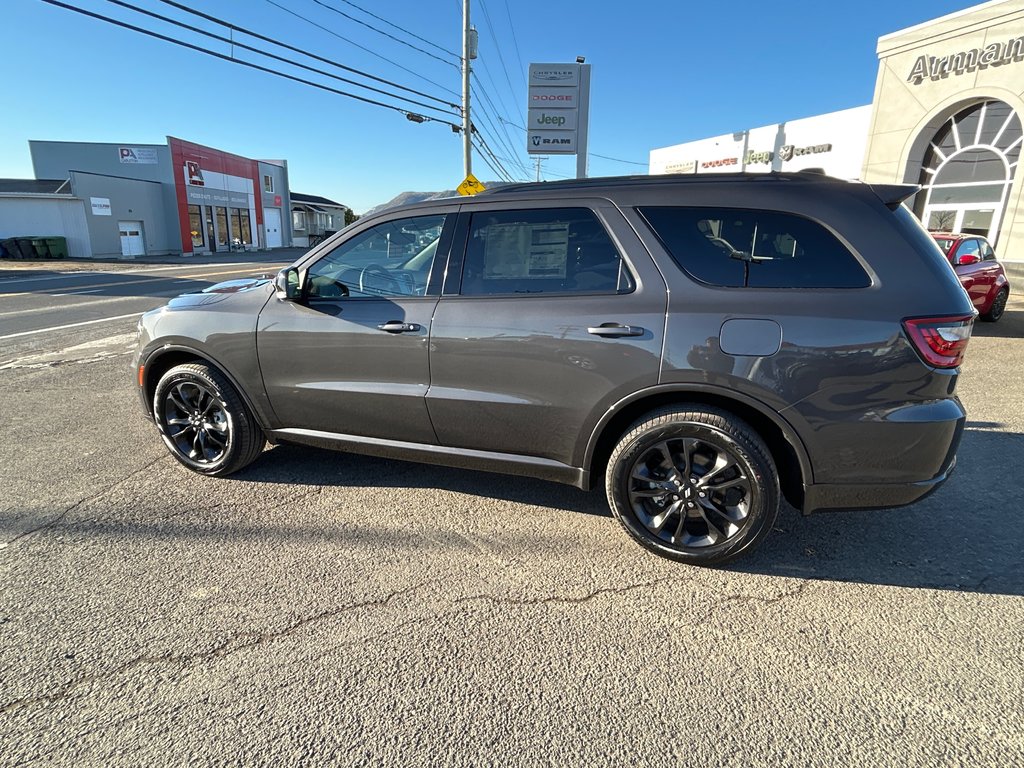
(544, 250)
(755, 249)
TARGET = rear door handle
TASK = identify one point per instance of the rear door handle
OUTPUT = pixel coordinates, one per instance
(395, 326)
(614, 330)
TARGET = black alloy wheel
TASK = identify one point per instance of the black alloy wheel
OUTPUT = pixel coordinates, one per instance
(695, 485)
(204, 422)
(998, 307)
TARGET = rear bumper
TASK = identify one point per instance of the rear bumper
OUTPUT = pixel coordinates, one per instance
(919, 455)
(830, 498)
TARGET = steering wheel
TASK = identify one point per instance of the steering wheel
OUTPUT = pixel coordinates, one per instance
(391, 282)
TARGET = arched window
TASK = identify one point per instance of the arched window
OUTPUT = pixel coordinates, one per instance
(968, 169)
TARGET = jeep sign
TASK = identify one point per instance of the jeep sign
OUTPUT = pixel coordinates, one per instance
(551, 120)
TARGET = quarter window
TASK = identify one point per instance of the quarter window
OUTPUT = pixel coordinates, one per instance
(755, 249)
(391, 259)
(545, 250)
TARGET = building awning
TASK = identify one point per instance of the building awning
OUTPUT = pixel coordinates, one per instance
(308, 207)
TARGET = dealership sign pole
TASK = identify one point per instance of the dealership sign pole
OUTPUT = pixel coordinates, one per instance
(558, 111)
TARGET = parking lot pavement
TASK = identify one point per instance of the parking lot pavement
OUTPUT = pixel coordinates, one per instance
(326, 608)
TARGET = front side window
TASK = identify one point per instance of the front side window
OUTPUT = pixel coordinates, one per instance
(545, 250)
(755, 249)
(391, 259)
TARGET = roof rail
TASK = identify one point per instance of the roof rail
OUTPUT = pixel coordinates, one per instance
(815, 174)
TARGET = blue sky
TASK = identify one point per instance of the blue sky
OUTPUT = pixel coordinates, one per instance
(664, 72)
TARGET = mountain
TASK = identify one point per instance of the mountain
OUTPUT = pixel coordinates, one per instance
(407, 198)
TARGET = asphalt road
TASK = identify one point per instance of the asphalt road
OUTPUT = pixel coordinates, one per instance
(322, 608)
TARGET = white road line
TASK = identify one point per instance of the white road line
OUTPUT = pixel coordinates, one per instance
(69, 325)
(80, 293)
(96, 302)
(273, 266)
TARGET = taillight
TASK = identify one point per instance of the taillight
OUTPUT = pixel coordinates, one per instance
(941, 341)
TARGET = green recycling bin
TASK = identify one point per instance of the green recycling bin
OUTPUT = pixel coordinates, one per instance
(40, 247)
(58, 247)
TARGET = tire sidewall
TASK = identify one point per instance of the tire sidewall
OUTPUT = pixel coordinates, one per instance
(763, 507)
(181, 375)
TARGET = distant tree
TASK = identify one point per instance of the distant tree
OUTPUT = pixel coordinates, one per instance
(350, 216)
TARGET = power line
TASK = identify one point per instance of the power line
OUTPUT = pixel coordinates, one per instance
(507, 141)
(495, 110)
(357, 45)
(403, 29)
(487, 157)
(274, 56)
(251, 65)
(494, 37)
(314, 56)
(618, 159)
(382, 32)
(515, 42)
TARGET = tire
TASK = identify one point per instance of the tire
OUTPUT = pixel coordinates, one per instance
(997, 307)
(694, 484)
(204, 422)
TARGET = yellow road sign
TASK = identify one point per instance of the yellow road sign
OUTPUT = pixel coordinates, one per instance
(470, 185)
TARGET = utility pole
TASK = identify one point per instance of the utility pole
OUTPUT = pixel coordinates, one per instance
(538, 161)
(467, 126)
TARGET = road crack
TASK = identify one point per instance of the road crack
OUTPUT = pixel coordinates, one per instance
(238, 642)
(99, 494)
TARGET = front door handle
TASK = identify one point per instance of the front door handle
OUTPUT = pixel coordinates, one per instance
(615, 330)
(396, 326)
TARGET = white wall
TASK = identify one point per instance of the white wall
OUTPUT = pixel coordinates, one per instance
(834, 141)
(46, 216)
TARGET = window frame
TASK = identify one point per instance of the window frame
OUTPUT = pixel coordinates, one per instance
(268, 183)
(454, 279)
(437, 268)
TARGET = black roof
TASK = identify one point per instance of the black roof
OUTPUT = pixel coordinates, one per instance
(664, 178)
(35, 186)
(298, 197)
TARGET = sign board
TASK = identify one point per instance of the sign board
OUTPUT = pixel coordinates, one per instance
(555, 74)
(470, 185)
(552, 142)
(222, 197)
(558, 109)
(100, 206)
(553, 98)
(138, 155)
(551, 120)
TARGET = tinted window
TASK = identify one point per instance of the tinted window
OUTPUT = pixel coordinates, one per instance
(986, 252)
(391, 259)
(758, 249)
(547, 250)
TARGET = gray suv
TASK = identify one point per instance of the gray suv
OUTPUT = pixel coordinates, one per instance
(703, 346)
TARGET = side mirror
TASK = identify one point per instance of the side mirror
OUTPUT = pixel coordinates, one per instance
(287, 286)
(967, 259)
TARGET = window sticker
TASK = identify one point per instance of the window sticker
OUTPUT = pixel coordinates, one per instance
(531, 251)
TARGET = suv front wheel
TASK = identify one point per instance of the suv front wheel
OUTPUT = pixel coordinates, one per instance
(204, 422)
(694, 484)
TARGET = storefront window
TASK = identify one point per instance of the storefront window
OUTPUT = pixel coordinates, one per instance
(222, 226)
(968, 169)
(240, 229)
(195, 225)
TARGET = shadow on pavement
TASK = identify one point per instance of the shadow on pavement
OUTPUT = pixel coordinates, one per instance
(293, 464)
(965, 537)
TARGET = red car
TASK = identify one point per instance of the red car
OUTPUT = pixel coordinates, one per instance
(980, 274)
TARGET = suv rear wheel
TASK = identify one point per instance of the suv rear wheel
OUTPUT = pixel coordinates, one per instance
(694, 484)
(204, 422)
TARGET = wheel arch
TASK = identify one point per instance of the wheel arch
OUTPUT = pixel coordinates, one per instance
(787, 449)
(161, 360)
